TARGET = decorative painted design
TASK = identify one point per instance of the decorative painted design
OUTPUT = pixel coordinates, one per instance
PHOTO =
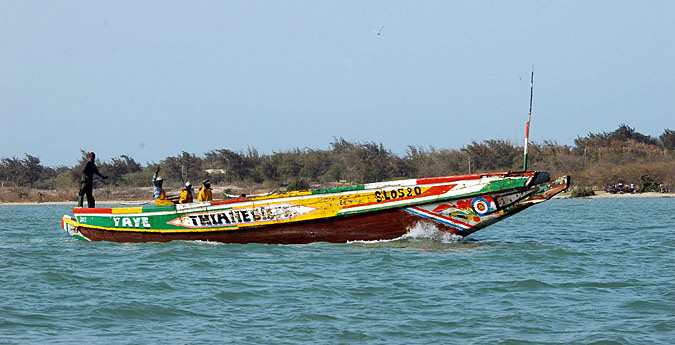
(463, 214)
(480, 206)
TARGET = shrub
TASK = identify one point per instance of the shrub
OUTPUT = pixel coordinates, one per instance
(298, 184)
(647, 184)
(582, 193)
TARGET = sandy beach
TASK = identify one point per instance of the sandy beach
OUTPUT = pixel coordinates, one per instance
(604, 195)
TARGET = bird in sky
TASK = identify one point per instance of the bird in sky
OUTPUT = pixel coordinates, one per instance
(379, 32)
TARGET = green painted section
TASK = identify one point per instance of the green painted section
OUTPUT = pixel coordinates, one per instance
(338, 189)
(159, 208)
(496, 186)
(81, 238)
(131, 222)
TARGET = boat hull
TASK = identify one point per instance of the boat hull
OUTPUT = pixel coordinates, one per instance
(383, 225)
(457, 204)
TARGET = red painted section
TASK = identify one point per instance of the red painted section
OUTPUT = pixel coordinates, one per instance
(464, 203)
(92, 210)
(437, 190)
(441, 208)
(527, 130)
(228, 201)
(445, 179)
(454, 178)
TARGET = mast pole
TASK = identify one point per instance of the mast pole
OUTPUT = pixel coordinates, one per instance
(529, 118)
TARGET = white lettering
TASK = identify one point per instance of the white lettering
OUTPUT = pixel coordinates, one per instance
(126, 222)
(146, 224)
(137, 222)
(117, 221)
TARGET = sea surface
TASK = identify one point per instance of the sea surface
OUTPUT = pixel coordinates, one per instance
(568, 271)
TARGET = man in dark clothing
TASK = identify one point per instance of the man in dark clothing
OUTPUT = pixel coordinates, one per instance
(87, 183)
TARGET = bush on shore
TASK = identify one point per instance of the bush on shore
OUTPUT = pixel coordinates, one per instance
(598, 159)
(582, 193)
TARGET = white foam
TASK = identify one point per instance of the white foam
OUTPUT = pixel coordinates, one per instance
(422, 230)
(207, 242)
(428, 230)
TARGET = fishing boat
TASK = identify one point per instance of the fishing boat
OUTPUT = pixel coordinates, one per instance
(460, 205)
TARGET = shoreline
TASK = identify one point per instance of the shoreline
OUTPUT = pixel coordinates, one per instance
(605, 195)
(74, 203)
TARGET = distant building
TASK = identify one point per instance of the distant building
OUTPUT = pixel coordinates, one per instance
(216, 171)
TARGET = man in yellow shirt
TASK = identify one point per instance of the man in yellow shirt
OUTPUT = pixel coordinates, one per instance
(186, 194)
(163, 200)
(205, 192)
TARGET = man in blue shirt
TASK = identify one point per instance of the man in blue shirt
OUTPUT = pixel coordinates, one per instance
(158, 191)
(157, 183)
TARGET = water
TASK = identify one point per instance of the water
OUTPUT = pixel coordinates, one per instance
(564, 272)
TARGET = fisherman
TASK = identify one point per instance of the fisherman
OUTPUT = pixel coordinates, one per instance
(87, 182)
(159, 194)
(186, 194)
(205, 191)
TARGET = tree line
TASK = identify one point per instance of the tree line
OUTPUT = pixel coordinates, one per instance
(595, 160)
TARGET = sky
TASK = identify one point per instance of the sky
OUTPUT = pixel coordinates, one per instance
(151, 79)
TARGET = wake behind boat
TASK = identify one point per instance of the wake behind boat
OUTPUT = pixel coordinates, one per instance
(460, 205)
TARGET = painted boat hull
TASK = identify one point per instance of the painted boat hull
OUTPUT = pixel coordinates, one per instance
(382, 211)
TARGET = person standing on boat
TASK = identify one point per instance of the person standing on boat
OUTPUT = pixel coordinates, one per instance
(205, 192)
(186, 194)
(87, 184)
(158, 192)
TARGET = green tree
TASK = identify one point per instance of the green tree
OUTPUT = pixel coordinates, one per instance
(185, 166)
(236, 165)
(370, 162)
(118, 168)
(22, 172)
(492, 155)
(667, 139)
(290, 166)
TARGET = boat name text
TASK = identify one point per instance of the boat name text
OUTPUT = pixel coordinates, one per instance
(242, 216)
(131, 222)
(386, 195)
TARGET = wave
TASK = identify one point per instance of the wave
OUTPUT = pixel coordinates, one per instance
(422, 230)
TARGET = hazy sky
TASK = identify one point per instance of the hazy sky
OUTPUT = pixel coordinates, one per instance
(151, 79)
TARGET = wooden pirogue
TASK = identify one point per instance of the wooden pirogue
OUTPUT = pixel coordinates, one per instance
(459, 204)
